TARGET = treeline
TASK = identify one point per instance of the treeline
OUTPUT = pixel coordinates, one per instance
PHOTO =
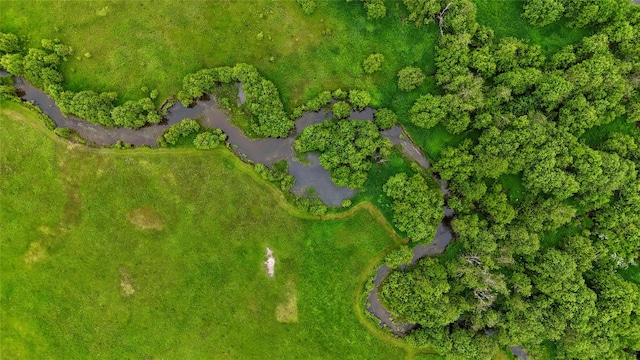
(546, 217)
(41, 68)
(267, 114)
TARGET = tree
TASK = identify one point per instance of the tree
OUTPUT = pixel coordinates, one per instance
(409, 78)
(308, 6)
(430, 110)
(417, 208)
(399, 256)
(373, 63)
(341, 110)
(543, 12)
(209, 139)
(420, 295)
(385, 119)
(375, 9)
(359, 99)
(422, 12)
(9, 43)
(347, 148)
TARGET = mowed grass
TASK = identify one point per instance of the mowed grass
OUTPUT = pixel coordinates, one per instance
(159, 254)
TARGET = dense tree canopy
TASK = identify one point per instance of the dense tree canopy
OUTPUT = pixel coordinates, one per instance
(545, 188)
(347, 149)
(417, 207)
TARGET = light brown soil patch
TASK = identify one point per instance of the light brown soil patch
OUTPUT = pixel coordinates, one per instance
(287, 311)
(126, 284)
(145, 218)
(35, 253)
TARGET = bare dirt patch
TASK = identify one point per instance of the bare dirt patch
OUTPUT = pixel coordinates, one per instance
(287, 311)
(35, 253)
(270, 263)
(145, 218)
(126, 283)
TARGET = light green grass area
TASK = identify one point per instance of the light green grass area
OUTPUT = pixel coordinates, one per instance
(154, 44)
(159, 253)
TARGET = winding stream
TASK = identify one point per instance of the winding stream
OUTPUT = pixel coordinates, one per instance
(264, 151)
(267, 151)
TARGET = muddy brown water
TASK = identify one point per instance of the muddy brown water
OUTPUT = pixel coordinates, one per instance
(265, 151)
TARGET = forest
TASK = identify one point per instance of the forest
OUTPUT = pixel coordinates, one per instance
(539, 148)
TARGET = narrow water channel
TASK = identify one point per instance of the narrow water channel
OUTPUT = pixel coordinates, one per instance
(265, 151)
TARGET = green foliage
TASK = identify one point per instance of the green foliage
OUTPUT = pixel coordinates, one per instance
(311, 205)
(347, 149)
(279, 175)
(423, 11)
(375, 9)
(341, 110)
(417, 207)
(543, 12)
(346, 203)
(64, 132)
(385, 119)
(203, 204)
(182, 129)
(209, 139)
(135, 114)
(359, 99)
(89, 105)
(268, 118)
(9, 43)
(339, 94)
(409, 78)
(425, 302)
(399, 256)
(308, 6)
(373, 63)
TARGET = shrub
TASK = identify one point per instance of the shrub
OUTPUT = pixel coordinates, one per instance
(346, 203)
(181, 129)
(64, 132)
(134, 114)
(339, 94)
(341, 110)
(373, 63)
(385, 119)
(409, 78)
(359, 99)
(399, 256)
(308, 6)
(319, 101)
(311, 205)
(209, 139)
(375, 9)
(9, 43)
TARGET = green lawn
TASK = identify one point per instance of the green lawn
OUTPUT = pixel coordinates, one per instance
(148, 253)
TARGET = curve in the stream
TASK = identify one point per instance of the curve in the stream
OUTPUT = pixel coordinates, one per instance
(264, 151)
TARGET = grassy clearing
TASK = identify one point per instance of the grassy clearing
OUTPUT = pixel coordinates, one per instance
(84, 275)
(154, 44)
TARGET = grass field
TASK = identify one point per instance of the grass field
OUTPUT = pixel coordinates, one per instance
(158, 253)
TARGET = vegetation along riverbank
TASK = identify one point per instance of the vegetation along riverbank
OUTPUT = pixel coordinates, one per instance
(449, 179)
